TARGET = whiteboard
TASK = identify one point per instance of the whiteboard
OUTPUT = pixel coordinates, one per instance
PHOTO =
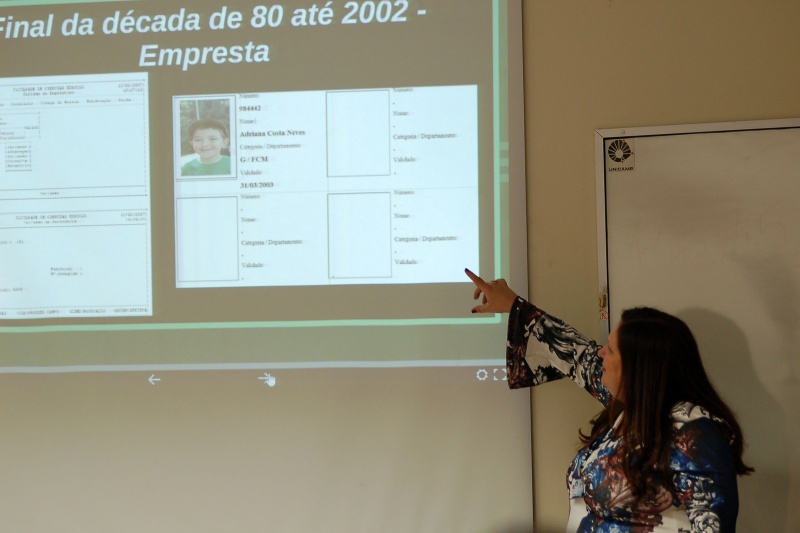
(703, 221)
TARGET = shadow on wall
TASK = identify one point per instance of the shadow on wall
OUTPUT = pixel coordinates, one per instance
(764, 495)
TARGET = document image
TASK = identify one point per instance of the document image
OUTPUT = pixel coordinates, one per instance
(362, 186)
(75, 208)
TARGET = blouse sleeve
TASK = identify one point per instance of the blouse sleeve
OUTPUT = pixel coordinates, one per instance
(558, 351)
(704, 470)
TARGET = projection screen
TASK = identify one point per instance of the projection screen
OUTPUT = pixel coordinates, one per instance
(279, 194)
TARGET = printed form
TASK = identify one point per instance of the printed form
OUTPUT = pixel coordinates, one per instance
(75, 197)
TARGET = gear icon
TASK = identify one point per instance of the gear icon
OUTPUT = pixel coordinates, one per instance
(481, 375)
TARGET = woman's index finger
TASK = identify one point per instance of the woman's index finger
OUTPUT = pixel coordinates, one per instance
(476, 279)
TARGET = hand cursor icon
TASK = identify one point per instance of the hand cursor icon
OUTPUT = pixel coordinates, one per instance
(268, 379)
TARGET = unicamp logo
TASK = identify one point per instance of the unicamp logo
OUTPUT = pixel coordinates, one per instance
(621, 156)
(619, 150)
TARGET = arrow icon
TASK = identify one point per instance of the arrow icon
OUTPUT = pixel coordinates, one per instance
(268, 379)
(153, 379)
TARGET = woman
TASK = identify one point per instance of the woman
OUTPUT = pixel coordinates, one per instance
(664, 453)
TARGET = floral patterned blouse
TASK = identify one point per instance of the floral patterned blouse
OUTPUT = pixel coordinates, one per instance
(704, 496)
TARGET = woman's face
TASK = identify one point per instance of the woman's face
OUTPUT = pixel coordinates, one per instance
(612, 364)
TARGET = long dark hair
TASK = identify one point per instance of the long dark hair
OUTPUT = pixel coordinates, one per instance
(661, 366)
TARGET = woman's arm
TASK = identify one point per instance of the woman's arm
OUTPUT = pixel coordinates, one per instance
(561, 350)
(704, 471)
(557, 350)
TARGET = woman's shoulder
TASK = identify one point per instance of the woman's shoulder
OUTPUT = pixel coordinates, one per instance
(696, 429)
(687, 412)
(683, 412)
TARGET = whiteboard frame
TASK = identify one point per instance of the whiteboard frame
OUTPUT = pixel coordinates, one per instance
(603, 135)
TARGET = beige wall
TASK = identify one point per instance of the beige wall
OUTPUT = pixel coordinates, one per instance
(592, 64)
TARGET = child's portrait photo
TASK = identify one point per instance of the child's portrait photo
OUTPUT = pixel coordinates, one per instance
(205, 138)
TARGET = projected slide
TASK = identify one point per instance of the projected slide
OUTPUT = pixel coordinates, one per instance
(74, 196)
(326, 187)
(300, 184)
